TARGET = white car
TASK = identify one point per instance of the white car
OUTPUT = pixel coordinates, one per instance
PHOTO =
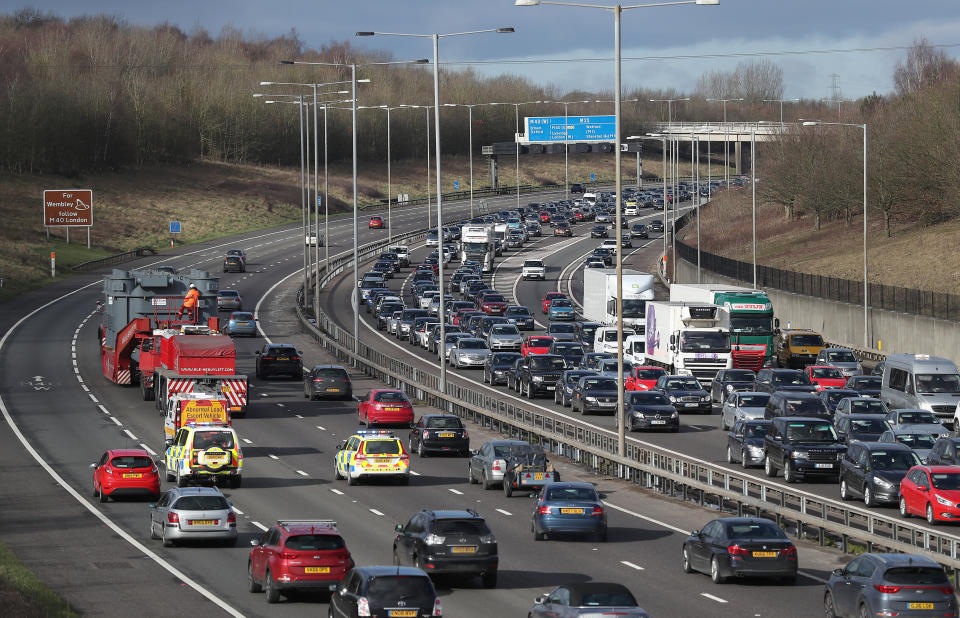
(745, 405)
(312, 239)
(534, 269)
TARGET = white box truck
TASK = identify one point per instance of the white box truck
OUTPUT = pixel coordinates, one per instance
(685, 339)
(500, 236)
(600, 296)
(476, 243)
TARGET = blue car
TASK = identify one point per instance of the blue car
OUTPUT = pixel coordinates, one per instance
(569, 508)
(241, 324)
(561, 309)
(519, 315)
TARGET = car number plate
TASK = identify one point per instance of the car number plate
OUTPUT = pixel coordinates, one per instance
(551, 388)
(658, 422)
(204, 522)
(316, 569)
(469, 549)
(392, 409)
(445, 435)
(280, 358)
(691, 405)
(571, 511)
(136, 475)
(604, 404)
(824, 465)
(402, 613)
(764, 554)
(333, 390)
(919, 605)
(243, 323)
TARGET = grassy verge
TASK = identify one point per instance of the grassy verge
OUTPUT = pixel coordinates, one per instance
(22, 594)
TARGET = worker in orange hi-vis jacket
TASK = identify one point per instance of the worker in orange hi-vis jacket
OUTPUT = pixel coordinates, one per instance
(190, 302)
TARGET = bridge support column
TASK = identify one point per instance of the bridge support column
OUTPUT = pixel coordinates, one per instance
(737, 157)
(494, 177)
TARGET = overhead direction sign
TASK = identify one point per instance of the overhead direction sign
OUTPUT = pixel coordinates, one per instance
(68, 207)
(578, 128)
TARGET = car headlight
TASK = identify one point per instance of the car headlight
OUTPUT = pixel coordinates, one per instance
(800, 455)
(705, 398)
(637, 413)
(537, 378)
(673, 399)
(433, 539)
(755, 450)
(944, 501)
(592, 399)
(729, 388)
(884, 483)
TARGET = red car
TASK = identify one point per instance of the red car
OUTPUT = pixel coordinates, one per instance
(125, 472)
(298, 554)
(375, 223)
(544, 216)
(386, 406)
(825, 376)
(931, 492)
(549, 298)
(536, 345)
(643, 378)
(493, 304)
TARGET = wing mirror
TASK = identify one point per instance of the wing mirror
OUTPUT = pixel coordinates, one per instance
(541, 599)
(474, 452)
(923, 488)
(838, 572)
(340, 445)
(398, 527)
(152, 505)
(93, 466)
(255, 542)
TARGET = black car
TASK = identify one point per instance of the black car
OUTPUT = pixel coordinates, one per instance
(593, 394)
(439, 433)
(539, 373)
(380, 590)
(873, 470)
(945, 452)
(433, 341)
(592, 360)
(420, 326)
(802, 446)
(740, 547)
(792, 403)
(448, 542)
(497, 365)
(650, 410)
(861, 427)
(656, 226)
(568, 379)
(327, 381)
(585, 332)
(770, 380)
(745, 442)
(577, 187)
(279, 359)
(599, 231)
(685, 393)
(405, 326)
(604, 254)
(385, 311)
(571, 351)
(729, 380)
(832, 396)
(233, 264)
(865, 385)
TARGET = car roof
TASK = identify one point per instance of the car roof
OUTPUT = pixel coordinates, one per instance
(452, 513)
(128, 452)
(197, 491)
(940, 469)
(750, 393)
(794, 419)
(892, 560)
(506, 442)
(329, 367)
(381, 571)
(886, 446)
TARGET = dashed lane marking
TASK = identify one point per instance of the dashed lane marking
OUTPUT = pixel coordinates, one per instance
(507, 513)
(455, 491)
(272, 456)
(302, 473)
(712, 598)
(631, 565)
(247, 440)
(259, 525)
(128, 432)
(321, 428)
(376, 512)
(336, 491)
(116, 421)
(148, 449)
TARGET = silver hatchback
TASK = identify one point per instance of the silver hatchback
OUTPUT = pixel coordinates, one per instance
(889, 585)
(742, 405)
(193, 513)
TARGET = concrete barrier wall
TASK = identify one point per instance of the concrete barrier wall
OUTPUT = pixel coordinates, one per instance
(842, 323)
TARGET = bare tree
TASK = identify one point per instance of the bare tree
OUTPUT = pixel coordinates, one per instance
(753, 80)
(923, 65)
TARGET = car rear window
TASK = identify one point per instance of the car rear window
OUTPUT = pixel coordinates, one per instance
(210, 439)
(916, 576)
(131, 461)
(314, 542)
(231, 293)
(330, 373)
(391, 396)
(461, 526)
(866, 406)
(800, 407)
(561, 328)
(396, 586)
(201, 503)
(444, 422)
(753, 401)
(581, 494)
(868, 426)
(236, 315)
(382, 447)
(755, 530)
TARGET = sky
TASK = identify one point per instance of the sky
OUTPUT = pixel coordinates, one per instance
(660, 45)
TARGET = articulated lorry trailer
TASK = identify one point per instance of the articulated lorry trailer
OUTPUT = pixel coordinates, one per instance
(747, 314)
(687, 339)
(600, 296)
(477, 243)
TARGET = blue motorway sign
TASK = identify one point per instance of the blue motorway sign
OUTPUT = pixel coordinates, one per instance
(319, 201)
(578, 128)
(174, 227)
(456, 185)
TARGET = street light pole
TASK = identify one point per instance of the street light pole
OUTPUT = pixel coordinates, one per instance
(669, 102)
(356, 235)
(753, 187)
(726, 141)
(781, 102)
(316, 207)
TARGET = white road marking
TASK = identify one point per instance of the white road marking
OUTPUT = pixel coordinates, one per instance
(148, 449)
(132, 437)
(415, 473)
(259, 525)
(302, 473)
(455, 491)
(247, 441)
(712, 598)
(237, 511)
(298, 416)
(116, 420)
(272, 456)
(645, 518)
(376, 512)
(632, 565)
(321, 428)
(336, 491)
(811, 576)
(281, 405)
(102, 409)
(507, 513)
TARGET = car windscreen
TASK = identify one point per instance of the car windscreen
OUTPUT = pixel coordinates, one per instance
(753, 401)
(938, 383)
(917, 418)
(561, 302)
(868, 425)
(827, 372)
(546, 364)
(209, 439)
(505, 359)
(471, 344)
(131, 461)
(400, 587)
(201, 503)
(803, 407)
(811, 432)
(599, 384)
(739, 375)
(649, 374)
(705, 342)
(475, 527)
(568, 348)
(755, 430)
(806, 340)
(443, 422)
(382, 447)
(390, 397)
(518, 311)
(946, 480)
(688, 384)
(610, 364)
(893, 460)
(579, 494)
(916, 440)
(843, 356)
(533, 264)
(754, 530)
(314, 542)
(791, 379)
(835, 396)
(504, 329)
(493, 298)
(648, 399)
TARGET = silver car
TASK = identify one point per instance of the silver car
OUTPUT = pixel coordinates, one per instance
(742, 405)
(229, 300)
(920, 442)
(841, 358)
(487, 464)
(504, 337)
(917, 421)
(469, 352)
(425, 300)
(393, 322)
(587, 599)
(450, 343)
(188, 513)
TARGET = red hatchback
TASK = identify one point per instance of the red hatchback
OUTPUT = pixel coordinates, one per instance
(536, 345)
(375, 223)
(931, 492)
(125, 472)
(544, 216)
(493, 304)
(549, 298)
(386, 407)
(825, 376)
(298, 554)
(643, 378)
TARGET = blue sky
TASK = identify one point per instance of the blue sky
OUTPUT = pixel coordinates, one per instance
(561, 33)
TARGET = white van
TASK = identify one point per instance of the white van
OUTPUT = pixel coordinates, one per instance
(605, 339)
(923, 382)
(403, 252)
(590, 199)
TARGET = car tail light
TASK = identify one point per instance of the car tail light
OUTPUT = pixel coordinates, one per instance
(173, 518)
(887, 589)
(267, 357)
(318, 380)
(945, 589)
(545, 510)
(363, 607)
(196, 458)
(597, 510)
(736, 550)
(360, 457)
(405, 458)
(497, 465)
(437, 608)
(464, 432)
(286, 555)
(232, 518)
(790, 552)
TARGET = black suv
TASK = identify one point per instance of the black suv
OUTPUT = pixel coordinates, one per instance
(539, 373)
(793, 403)
(874, 470)
(448, 542)
(800, 446)
(770, 380)
(729, 380)
(944, 452)
(279, 358)
(685, 393)
(439, 433)
(233, 264)
(382, 589)
(577, 187)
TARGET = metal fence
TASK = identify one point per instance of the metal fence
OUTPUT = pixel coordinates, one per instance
(118, 258)
(804, 514)
(892, 298)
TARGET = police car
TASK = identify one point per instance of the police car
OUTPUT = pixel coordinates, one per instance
(205, 452)
(369, 454)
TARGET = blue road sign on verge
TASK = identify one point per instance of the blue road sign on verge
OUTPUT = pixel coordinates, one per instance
(456, 185)
(319, 201)
(593, 177)
(174, 227)
(578, 128)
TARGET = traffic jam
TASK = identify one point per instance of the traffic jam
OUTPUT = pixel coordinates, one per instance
(787, 403)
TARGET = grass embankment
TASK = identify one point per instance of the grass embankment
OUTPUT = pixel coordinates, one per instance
(916, 256)
(133, 208)
(22, 595)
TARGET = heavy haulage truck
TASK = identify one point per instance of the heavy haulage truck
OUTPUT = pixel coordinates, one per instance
(145, 341)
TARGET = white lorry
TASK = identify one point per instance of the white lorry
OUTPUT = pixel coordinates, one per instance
(685, 339)
(477, 243)
(600, 296)
(500, 236)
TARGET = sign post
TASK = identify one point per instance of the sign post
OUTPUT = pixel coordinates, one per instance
(174, 229)
(53, 264)
(68, 208)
